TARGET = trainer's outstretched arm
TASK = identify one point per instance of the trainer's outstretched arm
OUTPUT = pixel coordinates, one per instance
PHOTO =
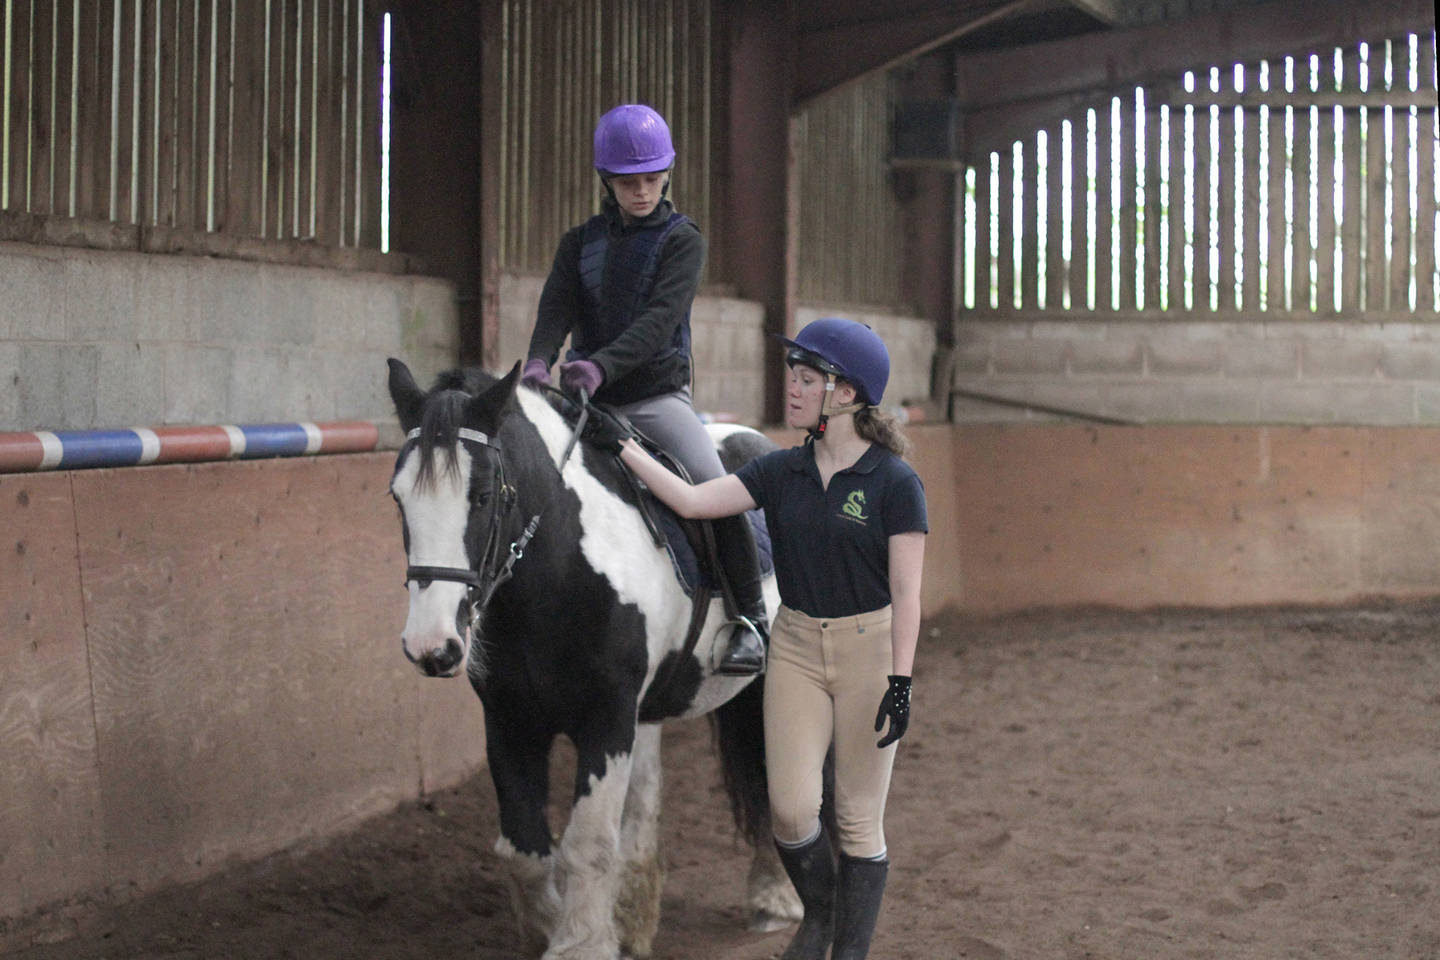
(722, 497)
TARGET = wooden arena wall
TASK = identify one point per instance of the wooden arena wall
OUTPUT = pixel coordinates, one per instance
(200, 663)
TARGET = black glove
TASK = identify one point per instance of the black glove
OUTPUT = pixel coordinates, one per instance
(607, 430)
(895, 705)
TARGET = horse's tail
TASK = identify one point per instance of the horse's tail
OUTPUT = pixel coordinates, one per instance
(739, 728)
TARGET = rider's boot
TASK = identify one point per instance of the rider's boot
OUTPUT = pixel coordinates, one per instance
(811, 869)
(857, 905)
(740, 559)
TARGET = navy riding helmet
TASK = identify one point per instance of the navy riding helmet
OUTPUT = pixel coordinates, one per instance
(846, 349)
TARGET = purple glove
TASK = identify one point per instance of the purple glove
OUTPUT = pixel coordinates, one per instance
(536, 374)
(581, 375)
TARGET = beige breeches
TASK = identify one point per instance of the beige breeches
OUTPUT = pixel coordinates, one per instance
(824, 682)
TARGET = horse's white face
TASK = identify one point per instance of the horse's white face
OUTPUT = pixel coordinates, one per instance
(437, 630)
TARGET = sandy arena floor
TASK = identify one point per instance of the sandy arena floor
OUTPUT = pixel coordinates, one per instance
(1078, 784)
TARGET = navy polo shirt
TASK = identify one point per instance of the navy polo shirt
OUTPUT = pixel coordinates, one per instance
(832, 547)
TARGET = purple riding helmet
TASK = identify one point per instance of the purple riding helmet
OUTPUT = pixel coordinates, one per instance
(844, 348)
(632, 138)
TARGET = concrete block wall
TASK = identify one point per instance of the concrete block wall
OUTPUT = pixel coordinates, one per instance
(1343, 371)
(94, 339)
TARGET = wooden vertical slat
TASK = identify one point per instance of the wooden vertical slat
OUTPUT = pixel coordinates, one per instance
(145, 118)
(1303, 248)
(244, 190)
(4, 72)
(17, 164)
(1204, 214)
(1125, 203)
(1054, 222)
(92, 155)
(126, 87)
(1155, 237)
(1104, 211)
(1277, 163)
(288, 168)
(1228, 175)
(1250, 214)
(305, 119)
(1005, 250)
(327, 125)
(1325, 211)
(62, 134)
(1428, 203)
(42, 107)
(370, 132)
(1377, 265)
(1352, 189)
(187, 116)
(273, 168)
(221, 111)
(1400, 196)
(1029, 224)
(1079, 266)
(1178, 198)
(167, 112)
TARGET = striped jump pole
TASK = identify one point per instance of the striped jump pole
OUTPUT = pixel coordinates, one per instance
(137, 446)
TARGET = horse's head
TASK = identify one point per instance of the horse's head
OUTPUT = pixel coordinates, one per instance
(455, 506)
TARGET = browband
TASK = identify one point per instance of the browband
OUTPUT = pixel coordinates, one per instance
(465, 433)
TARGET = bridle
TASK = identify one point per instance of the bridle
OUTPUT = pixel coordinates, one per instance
(493, 572)
(482, 583)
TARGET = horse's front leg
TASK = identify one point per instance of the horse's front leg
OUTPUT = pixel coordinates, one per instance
(519, 767)
(642, 874)
(587, 866)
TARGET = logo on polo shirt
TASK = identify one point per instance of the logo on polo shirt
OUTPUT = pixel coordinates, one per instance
(854, 507)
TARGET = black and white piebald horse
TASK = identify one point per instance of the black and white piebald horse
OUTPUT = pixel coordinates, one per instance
(532, 571)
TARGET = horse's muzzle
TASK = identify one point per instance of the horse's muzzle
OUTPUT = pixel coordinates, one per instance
(444, 662)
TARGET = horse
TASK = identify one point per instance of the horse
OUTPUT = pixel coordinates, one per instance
(533, 572)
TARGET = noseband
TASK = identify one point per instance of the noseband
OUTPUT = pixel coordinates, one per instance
(481, 584)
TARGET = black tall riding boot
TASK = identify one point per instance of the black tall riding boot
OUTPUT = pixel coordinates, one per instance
(812, 869)
(740, 561)
(857, 905)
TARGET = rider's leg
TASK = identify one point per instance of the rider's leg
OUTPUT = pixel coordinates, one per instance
(671, 422)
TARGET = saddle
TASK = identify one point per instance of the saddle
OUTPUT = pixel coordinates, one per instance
(690, 544)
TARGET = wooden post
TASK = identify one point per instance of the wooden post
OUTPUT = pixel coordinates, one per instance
(63, 131)
(1377, 266)
(1427, 201)
(1005, 204)
(1352, 237)
(1028, 222)
(1079, 266)
(984, 203)
(244, 187)
(220, 159)
(327, 124)
(1204, 212)
(187, 117)
(1304, 250)
(1228, 173)
(126, 204)
(1252, 265)
(1400, 195)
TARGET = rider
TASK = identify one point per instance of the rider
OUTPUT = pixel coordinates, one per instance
(621, 287)
(847, 517)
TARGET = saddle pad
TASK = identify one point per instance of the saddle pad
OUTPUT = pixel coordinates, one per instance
(688, 568)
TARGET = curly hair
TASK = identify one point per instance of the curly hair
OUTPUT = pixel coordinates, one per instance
(880, 427)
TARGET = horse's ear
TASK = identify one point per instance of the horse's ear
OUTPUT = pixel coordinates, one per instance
(488, 409)
(406, 393)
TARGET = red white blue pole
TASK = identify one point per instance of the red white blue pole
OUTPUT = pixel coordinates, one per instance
(136, 446)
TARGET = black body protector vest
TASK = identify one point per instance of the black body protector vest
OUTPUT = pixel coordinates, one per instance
(617, 276)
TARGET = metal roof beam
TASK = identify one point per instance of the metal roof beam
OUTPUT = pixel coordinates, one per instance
(1108, 12)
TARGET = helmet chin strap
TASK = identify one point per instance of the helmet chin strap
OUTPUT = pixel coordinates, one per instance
(828, 410)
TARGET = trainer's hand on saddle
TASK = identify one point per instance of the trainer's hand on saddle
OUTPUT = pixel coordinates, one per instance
(895, 705)
(536, 374)
(581, 375)
(607, 431)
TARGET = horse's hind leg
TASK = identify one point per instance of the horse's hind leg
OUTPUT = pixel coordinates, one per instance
(642, 874)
